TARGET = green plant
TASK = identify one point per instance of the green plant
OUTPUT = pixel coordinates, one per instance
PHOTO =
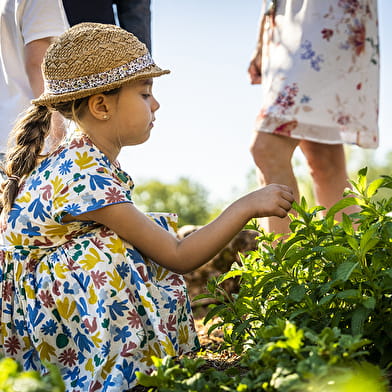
(187, 375)
(14, 379)
(326, 274)
(315, 305)
(284, 359)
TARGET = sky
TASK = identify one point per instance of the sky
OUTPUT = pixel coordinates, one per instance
(208, 107)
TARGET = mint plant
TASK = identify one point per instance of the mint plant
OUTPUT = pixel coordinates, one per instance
(326, 274)
(313, 305)
(284, 359)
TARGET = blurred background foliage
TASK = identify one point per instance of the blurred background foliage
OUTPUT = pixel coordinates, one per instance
(191, 201)
(185, 197)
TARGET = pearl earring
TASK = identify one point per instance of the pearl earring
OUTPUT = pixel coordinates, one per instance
(105, 117)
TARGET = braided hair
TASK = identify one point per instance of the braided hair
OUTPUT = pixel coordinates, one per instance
(28, 138)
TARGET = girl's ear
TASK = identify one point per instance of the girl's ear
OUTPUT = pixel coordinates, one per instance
(100, 106)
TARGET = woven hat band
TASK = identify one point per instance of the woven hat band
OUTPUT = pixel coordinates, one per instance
(100, 79)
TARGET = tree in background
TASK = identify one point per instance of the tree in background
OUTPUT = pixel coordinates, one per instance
(185, 197)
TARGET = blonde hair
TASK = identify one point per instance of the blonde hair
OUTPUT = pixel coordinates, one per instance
(28, 136)
(27, 142)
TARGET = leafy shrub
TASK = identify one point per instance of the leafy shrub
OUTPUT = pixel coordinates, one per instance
(289, 359)
(315, 304)
(326, 274)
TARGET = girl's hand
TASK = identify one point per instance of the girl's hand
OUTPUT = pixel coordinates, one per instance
(272, 200)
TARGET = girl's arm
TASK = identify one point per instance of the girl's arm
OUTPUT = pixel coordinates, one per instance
(185, 255)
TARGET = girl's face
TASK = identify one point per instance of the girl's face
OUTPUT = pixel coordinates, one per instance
(133, 115)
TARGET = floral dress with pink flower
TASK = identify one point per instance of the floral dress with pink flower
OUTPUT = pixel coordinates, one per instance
(320, 72)
(76, 294)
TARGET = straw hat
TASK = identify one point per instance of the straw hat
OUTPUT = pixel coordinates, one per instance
(90, 58)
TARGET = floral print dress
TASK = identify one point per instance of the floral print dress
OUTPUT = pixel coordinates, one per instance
(320, 71)
(76, 294)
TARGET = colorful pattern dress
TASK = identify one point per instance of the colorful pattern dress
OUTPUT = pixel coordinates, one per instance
(320, 72)
(76, 294)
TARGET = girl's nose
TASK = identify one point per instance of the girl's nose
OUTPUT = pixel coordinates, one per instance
(155, 104)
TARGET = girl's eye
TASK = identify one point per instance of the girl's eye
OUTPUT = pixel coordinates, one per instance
(146, 95)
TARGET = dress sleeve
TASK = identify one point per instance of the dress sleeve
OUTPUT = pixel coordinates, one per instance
(90, 190)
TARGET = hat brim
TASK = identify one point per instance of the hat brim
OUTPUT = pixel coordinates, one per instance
(47, 99)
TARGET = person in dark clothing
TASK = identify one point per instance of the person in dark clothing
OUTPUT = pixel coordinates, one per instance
(133, 15)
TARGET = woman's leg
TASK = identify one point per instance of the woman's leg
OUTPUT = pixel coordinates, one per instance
(327, 165)
(272, 155)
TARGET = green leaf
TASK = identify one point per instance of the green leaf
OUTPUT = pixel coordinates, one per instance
(362, 172)
(374, 186)
(148, 380)
(387, 182)
(297, 293)
(53, 377)
(203, 296)
(358, 319)
(229, 275)
(270, 276)
(297, 313)
(369, 303)
(352, 242)
(240, 328)
(361, 184)
(252, 225)
(347, 225)
(369, 240)
(325, 288)
(326, 299)
(294, 336)
(345, 270)
(336, 252)
(369, 245)
(294, 255)
(301, 209)
(345, 294)
(341, 204)
(304, 204)
(214, 312)
(214, 327)
(387, 231)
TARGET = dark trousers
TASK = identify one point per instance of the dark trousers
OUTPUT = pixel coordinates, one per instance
(133, 15)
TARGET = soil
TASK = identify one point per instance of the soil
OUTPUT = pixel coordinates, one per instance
(218, 359)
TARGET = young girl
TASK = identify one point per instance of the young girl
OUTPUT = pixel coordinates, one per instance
(78, 285)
